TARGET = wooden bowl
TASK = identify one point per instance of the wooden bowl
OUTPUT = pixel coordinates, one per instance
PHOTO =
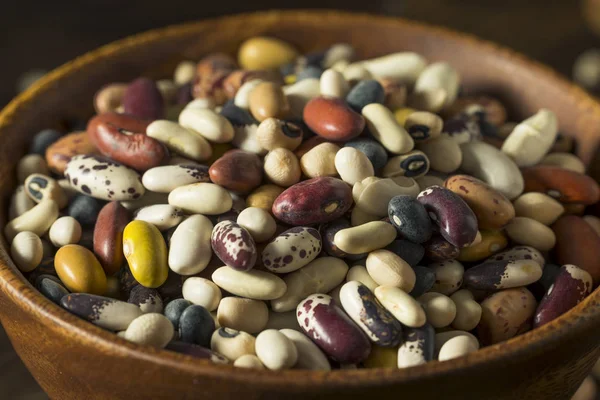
(72, 359)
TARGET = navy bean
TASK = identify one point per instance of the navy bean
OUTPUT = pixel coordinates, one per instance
(51, 287)
(410, 252)
(424, 281)
(42, 140)
(174, 309)
(374, 151)
(105, 312)
(85, 209)
(196, 325)
(196, 351)
(418, 346)
(364, 93)
(410, 218)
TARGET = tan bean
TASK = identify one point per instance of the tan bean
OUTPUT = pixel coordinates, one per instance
(365, 238)
(273, 133)
(440, 309)
(320, 161)
(468, 311)
(243, 314)
(386, 268)
(281, 167)
(538, 206)
(529, 232)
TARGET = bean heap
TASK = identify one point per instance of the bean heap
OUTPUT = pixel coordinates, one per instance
(309, 212)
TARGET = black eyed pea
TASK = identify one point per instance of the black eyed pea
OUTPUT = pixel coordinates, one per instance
(373, 195)
(232, 344)
(20, 203)
(444, 153)
(282, 167)
(320, 160)
(310, 357)
(423, 126)
(51, 287)
(333, 84)
(365, 238)
(538, 206)
(362, 306)
(243, 314)
(386, 130)
(292, 250)
(163, 216)
(320, 276)
(26, 251)
(529, 142)
(413, 164)
(174, 309)
(150, 329)
(468, 311)
(360, 274)
(107, 313)
(249, 361)
(31, 164)
(401, 305)
(38, 220)
(258, 222)
(300, 93)
(494, 275)
(196, 325)
(360, 217)
(41, 187)
(403, 67)
(417, 346)
(448, 276)
(457, 347)
(234, 245)
(64, 231)
(216, 200)
(253, 284)
(180, 140)
(283, 320)
(410, 218)
(190, 247)
(439, 308)
(275, 350)
(353, 165)
(564, 160)
(439, 75)
(148, 300)
(529, 232)
(202, 292)
(386, 268)
(273, 133)
(207, 123)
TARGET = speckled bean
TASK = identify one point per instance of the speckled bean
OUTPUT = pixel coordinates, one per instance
(448, 276)
(234, 245)
(417, 347)
(292, 250)
(107, 313)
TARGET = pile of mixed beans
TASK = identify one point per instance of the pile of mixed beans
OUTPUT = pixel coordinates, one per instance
(310, 212)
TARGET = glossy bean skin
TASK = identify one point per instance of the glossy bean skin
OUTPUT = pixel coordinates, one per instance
(137, 150)
(332, 330)
(561, 184)
(570, 287)
(234, 245)
(457, 222)
(60, 152)
(313, 201)
(332, 119)
(237, 170)
(410, 218)
(79, 270)
(108, 236)
(577, 243)
(146, 252)
(196, 326)
(142, 99)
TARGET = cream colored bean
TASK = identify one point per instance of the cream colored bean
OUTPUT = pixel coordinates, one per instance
(529, 142)
(37, 220)
(150, 329)
(439, 75)
(365, 238)
(356, 73)
(110, 98)
(468, 311)
(360, 217)
(353, 165)
(166, 178)
(457, 347)
(444, 153)
(41, 187)
(275, 350)
(19, 203)
(201, 104)
(386, 268)
(163, 216)
(538, 206)
(253, 284)
(242, 96)
(283, 320)
(215, 199)
(424, 126)
(27, 251)
(442, 337)
(564, 160)
(185, 72)
(207, 123)
(248, 361)
(310, 357)
(372, 194)
(258, 222)
(319, 276)
(587, 390)
(429, 180)
(448, 276)
(64, 231)
(386, 130)
(433, 100)
(31, 164)
(246, 138)
(232, 344)
(333, 84)
(409, 186)
(282, 167)
(202, 292)
(243, 314)
(180, 140)
(301, 93)
(189, 248)
(273, 133)
(440, 309)
(404, 67)
(337, 52)
(594, 222)
(401, 305)
(360, 274)
(529, 232)
(320, 161)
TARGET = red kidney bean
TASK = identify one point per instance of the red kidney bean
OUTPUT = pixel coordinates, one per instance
(438, 249)
(136, 150)
(577, 243)
(314, 201)
(142, 99)
(571, 286)
(237, 170)
(564, 185)
(456, 221)
(108, 236)
(333, 119)
(234, 245)
(332, 330)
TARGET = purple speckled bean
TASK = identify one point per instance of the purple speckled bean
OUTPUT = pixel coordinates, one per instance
(233, 245)
(332, 330)
(570, 287)
(142, 99)
(456, 221)
(292, 250)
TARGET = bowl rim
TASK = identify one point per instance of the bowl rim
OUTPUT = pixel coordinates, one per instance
(52, 316)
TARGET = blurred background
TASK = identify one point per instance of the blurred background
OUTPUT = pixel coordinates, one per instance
(39, 36)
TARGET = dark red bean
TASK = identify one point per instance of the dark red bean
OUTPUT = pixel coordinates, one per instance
(237, 170)
(142, 99)
(333, 119)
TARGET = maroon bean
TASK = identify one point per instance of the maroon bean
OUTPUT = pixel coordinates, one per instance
(237, 170)
(108, 236)
(332, 330)
(314, 201)
(456, 221)
(571, 286)
(142, 99)
(234, 245)
(134, 148)
(333, 119)
(438, 249)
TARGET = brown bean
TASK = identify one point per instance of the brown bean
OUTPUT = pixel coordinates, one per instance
(562, 184)
(577, 243)
(108, 236)
(71, 145)
(237, 170)
(268, 101)
(333, 119)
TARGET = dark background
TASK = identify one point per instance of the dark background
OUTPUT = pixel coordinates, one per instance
(45, 34)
